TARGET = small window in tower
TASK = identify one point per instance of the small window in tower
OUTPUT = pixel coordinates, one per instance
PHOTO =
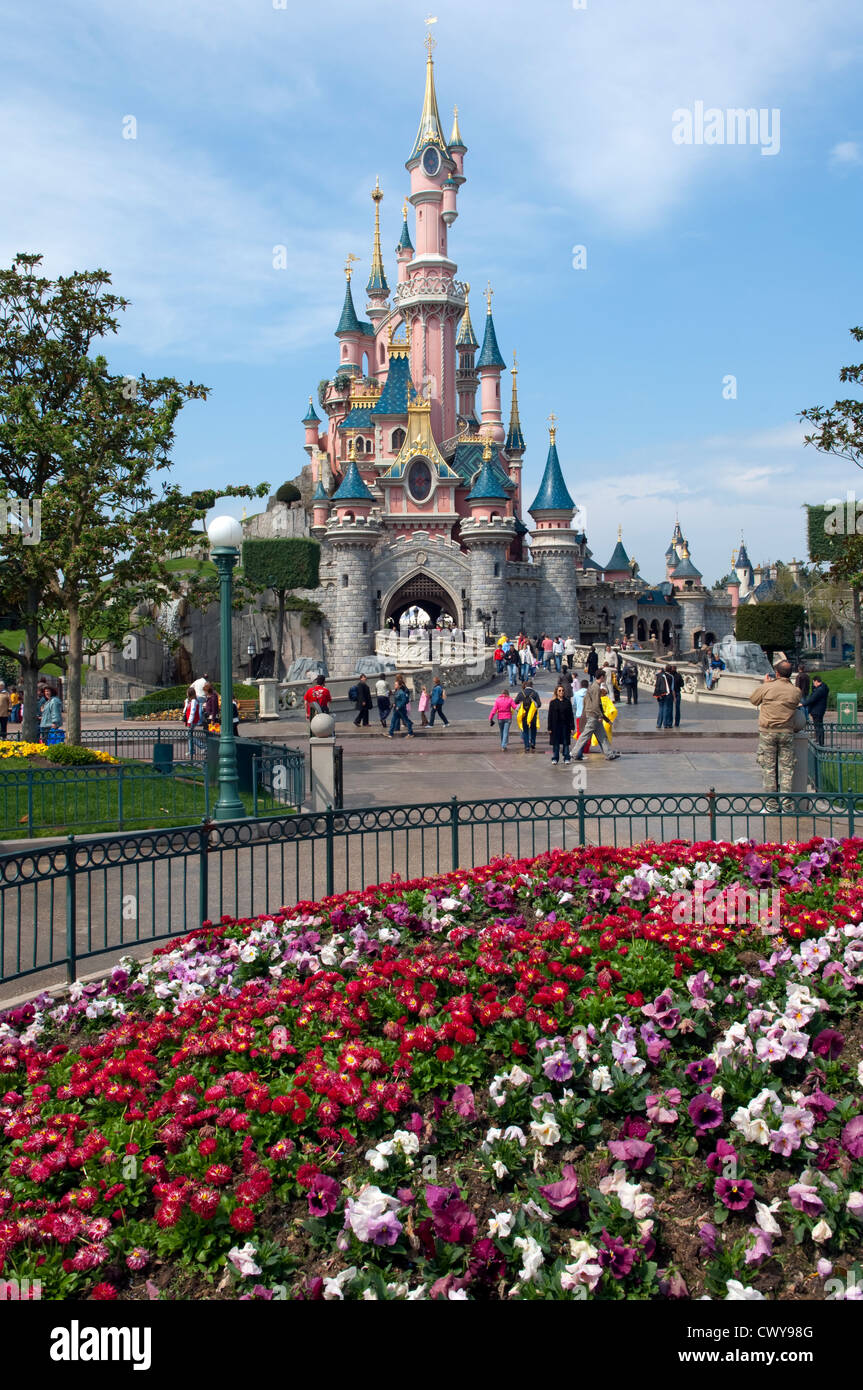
(497, 389)
(397, 439)
(360, 446)
(497, 571)
(365, 628)
(344, 581)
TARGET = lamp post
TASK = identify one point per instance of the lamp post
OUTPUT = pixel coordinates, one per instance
(226, 534)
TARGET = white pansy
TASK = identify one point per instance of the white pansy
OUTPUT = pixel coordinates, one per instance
(546, 1131)
(738, 1293)
(377, 1161)
(765, 1218)
(242, 1258)
(334, 1288)
(600, 1079)
(584, 1268)
(500, 1223)
(406, 1142)
(500, 1169)
(531, 1260)
(821, 1233)
(248, 954)
(513, 1134)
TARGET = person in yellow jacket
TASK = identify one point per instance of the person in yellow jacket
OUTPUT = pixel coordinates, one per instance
(609, 714)
(527, 718)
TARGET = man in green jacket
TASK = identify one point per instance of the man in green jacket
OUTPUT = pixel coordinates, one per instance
(778, 701)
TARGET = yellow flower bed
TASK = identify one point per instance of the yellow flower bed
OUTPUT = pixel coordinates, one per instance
(38, 750)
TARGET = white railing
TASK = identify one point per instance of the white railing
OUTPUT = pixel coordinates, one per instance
(420, 648)
(648, 668)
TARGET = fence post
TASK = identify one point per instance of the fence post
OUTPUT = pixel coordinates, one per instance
(30, 802)
(116, 754)
(581, 829)
(255, 764)
(71, 913)
(203, 871)
(454, 831)
(711, 807)
(329, 847)
(120, 795)
(850, 796)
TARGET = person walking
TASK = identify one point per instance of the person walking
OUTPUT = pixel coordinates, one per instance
(778, 701)
(51, 717)
(5, 706)
(546, 647)
(629, 681)
(591, 665)
(569, 651)
(200, 687)
(498, 659)
(593, 724)
(382, 694)
(193, 713)
(235, 718)
(678, 682)
(401, 706)
(561, 725)
(663, 694)
(363, 702)
(527, 718)
(502, 710)
(422, 706)
(512, 664)
(436, 701)
(557, 652)
(578, 704)
(15, 706)
(566, 682)
(317, 700)
(211, 706)
(815, 705)
(801, 680)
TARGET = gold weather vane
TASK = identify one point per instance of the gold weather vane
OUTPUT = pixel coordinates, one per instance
(429, 41)
(349, 270)
(488, 294)
(552, 422)
(486, 453)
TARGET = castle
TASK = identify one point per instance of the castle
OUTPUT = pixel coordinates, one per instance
(415, 481)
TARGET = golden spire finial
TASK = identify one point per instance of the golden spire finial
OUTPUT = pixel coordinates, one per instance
(486, 453)
(619, 533)
(377, 258)
(351, 452)
(311, 403)
(349, 269)
(429, 41)
(405, 210)
(488, 294)
(552, 427)
(514, 362)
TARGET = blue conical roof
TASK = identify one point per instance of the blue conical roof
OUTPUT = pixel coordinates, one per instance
(619, 559)
(553, 495)
(348, 323)
(310, 418)
(352, 488)
(487, 485)
(490, 355)
(466, 337)
(319, 494)
(686, 570)
(742, 561)
(405, 243)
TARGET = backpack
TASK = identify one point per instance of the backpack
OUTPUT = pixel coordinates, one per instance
(354, 694)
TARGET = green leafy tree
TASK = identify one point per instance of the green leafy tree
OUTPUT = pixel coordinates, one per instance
(281, 564)
(772, 625)
(90, 445)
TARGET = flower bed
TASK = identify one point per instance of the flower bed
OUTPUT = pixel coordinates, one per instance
(65, 754)
(566, 1078)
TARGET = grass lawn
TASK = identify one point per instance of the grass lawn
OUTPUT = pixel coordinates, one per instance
(839, 681)
(85, 801)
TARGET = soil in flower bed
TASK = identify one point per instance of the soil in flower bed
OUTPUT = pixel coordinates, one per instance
(591, 1075)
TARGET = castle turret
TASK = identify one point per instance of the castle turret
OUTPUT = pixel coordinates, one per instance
(619, 566)
(353, 335)
(352, 533)
(487, 537)
(458, 150)
(377, 289)
(466, 378)
(554, 547)
(312, 424)
(490, 364)
(320, 510)
(514, 443)
(405, 248)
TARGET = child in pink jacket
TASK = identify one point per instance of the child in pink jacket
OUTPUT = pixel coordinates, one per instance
(504, 707)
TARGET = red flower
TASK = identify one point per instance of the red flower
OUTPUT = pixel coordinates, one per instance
(242, 1219)
(104, 1292)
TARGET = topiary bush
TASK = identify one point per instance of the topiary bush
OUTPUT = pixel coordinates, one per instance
(288, 492)
(72, 755)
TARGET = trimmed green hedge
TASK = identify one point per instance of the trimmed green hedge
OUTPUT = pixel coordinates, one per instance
(288, 562)
(771, 625)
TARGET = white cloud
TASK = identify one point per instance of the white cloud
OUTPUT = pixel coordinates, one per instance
(845, 153)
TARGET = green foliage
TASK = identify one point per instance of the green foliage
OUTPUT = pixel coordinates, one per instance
(831, 531)
(838, 428)
(288, 492)
(71, 755)
(771, 625)
(323, 388)
(282, 563)
(173, 696)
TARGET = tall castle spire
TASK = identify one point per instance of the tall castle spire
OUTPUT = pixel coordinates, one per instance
(429, 132)
(377, 289)
(514, 439)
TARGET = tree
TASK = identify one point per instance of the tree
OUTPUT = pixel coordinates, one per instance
(771, 625)
(834, 537)
(281, 564)
(288, 492)
(839, 427)
(88, 444)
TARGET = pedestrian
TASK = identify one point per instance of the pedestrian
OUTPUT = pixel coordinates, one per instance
(502, 710)
(200, 687)
(512, 663)
(193, 711)
(211, 707)
(613, 683)
(778, 701)
(436, 700)
(317, 699)
(363, 698)
(569, 651)
(546, 648)
(561, 725)
(5, 707)
(815, 705)
(422, 706)
(594, 723)
(235, 718)
(15, 706)
(557, 652)
(498, 660)
(802, 681)
(527, 718)
(401, 709)
(663, 694)
(51, 719)
(578, 704)
(382, 694)
(629, 681)
(677, 678)
(591, 665)
(566, 682)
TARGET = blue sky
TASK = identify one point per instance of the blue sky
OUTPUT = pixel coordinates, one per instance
(258, 127)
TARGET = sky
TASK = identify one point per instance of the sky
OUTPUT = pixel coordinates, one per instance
(710, 304)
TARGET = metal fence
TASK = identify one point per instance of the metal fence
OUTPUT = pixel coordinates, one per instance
(104, 796)
(93, 900)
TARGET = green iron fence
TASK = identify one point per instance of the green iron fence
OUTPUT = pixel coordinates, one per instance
(90, 900)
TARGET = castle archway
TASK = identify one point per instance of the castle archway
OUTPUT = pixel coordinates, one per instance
(421, 590)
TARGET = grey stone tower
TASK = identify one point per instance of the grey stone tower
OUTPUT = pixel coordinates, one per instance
(487, 538)
(554, 548)
(352, 532)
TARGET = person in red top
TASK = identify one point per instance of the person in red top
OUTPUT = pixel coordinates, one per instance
(317, 700)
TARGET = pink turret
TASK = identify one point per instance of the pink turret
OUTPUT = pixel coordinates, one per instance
(490, 365)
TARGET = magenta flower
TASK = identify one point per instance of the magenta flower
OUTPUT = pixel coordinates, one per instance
(563, 1194)
(635, 1153)
(454, 1222)
(820, 1104)
(762, 1249)
(323, 1196)
(708, 1233)
(662, 1012)
(486, 1262)
(721, 1155)
(852, 1137)
(660, 1105)
(701, 1070)
(828, 1044)
(734, 1193)
(705, 1112)
(617, 1257)
(803, 1197)
(463, 1102)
